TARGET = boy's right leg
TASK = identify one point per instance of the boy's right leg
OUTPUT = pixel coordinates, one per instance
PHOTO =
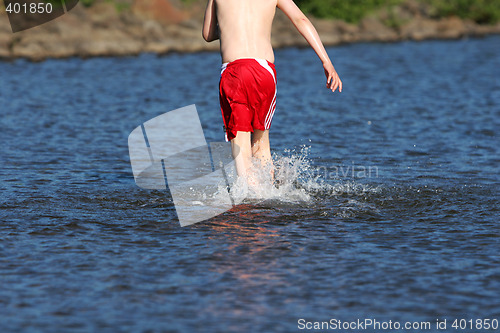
(242, 153)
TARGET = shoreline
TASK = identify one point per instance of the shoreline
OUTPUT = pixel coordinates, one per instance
(101, 31)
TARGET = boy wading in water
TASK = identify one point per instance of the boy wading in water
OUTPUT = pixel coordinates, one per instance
(247, 88)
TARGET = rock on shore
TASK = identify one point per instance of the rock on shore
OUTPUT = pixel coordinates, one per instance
(159, 27)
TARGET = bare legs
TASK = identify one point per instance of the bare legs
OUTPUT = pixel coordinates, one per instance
(247, 145)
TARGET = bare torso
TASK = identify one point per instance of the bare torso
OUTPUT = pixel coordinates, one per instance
(245, 28)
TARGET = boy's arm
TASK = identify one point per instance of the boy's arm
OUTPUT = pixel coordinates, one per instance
(210, 26)
(306, 29)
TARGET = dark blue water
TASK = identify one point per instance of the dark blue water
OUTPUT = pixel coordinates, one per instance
(411, 235)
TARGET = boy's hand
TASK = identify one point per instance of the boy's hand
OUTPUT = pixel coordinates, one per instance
(332, 78)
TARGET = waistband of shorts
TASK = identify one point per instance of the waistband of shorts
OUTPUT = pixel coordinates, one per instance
(243, 61)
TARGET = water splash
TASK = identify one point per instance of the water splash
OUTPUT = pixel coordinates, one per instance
(296, 180)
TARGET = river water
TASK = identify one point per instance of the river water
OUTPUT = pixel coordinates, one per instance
(400, 221)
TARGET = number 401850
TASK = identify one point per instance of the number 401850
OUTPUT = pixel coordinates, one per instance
(478, 324)
(32, 8)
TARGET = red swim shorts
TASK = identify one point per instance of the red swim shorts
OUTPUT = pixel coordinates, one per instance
(247, 93)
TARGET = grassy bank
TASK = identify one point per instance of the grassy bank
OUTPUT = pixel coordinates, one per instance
(120, 5)
(479, 11)
(352, 11)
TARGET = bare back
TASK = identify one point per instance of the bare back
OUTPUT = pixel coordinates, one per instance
(245, 28)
